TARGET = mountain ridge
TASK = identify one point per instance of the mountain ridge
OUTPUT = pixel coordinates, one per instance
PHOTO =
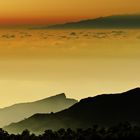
(104, 110)
(61, 94)
(20, 111)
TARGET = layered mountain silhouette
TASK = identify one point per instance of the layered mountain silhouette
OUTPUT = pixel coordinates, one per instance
(18, 112)
(104, 110)
(116, 21)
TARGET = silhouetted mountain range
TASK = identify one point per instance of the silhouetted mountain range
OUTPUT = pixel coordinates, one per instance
(18, 112)
(104, 110)
(117, 21)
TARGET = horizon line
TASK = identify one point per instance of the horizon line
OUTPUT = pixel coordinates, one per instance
(29, 23)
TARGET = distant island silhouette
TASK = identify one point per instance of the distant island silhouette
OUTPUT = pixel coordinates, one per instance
(104, 110)
(115, 21)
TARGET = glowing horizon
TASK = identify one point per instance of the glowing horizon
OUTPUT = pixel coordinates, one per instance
(50, 12)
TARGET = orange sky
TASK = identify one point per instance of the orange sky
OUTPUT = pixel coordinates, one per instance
(52, 11)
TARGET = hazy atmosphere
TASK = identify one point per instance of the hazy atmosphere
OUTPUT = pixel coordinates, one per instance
(38, 63)
(35, 64)
(69, 70)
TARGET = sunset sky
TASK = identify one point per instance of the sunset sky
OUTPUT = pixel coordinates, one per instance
(55, 11)
(35, 64)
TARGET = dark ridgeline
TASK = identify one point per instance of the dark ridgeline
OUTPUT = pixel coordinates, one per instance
(105, 110)
(20, 111)
(117, 22)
